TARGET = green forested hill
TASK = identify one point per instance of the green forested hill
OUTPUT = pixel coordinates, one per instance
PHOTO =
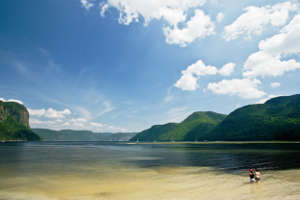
(186, 130)
(14, 122)
(277, 119)
(80, 135)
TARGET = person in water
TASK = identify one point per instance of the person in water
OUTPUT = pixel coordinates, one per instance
(257, 175)
(252, 175)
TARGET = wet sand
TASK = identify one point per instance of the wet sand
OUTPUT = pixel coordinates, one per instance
(122, 183)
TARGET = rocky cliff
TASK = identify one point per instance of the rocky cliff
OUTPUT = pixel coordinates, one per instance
(16, 111)
(14, 123)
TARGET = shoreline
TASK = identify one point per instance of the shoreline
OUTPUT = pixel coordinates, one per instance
(220, 142)
(166, 142)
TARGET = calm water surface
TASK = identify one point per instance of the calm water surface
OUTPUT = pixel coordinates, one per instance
(105, 170)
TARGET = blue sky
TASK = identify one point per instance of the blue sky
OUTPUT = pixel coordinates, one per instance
(124, 65)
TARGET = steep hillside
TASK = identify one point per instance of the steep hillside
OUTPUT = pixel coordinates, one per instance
(14, 122)
(154, 133)
(188, 130)
(277, 119)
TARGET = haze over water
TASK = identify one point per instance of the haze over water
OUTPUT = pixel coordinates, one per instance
(113, 171)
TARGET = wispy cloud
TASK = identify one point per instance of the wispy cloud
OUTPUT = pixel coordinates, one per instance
(87, 4)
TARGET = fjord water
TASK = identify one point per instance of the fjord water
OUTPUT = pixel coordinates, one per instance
(115, 171)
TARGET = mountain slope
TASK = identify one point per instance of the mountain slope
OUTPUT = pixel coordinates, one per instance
(186, 130)
(14, 122)
(278, 118)
(154, 133)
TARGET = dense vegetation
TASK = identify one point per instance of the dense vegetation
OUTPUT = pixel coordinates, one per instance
(192, 128)
(277, 119)
(81, 135)
(14, 123)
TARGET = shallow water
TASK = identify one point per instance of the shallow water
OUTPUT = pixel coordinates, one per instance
(113, 171)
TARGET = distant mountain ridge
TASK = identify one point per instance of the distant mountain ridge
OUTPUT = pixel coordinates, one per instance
(80, 135)
(14, 122)
(277, 119)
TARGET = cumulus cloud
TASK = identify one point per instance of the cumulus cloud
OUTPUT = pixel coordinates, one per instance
(199, 26)
(286, 42)
(269, 60)
(190, 76)
(170, 10)
(244, 88)
(220, 17)
(275, 84)
(12, 100)
(174, 12)
(227, 69)
(81, 119)
(86, 4)
(263, 64)
(254, 19)
(49, 113)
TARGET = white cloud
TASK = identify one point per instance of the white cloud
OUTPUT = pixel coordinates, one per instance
(199, 26)
(49, 113)
(12, 100)
(86, 4)
(187, 82)
(227, 69)
(39, 123)
(264, 64)
(174, 12)
(244, 88)
(74, 124)
(170, 10)
(286, 42)
(220, 17)
(104, 7)
(275, 84)
(190, 76)
(254, 19)
(269, 60)
(37, 112)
